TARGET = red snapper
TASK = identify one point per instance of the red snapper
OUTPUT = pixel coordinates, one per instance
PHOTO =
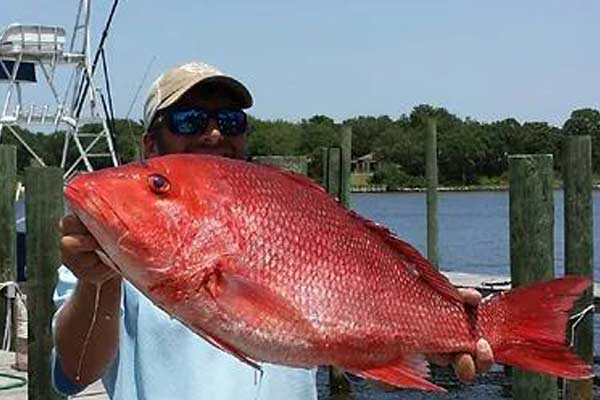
(268, 267)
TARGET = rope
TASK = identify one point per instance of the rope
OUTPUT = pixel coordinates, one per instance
(10, 298)
(12, 292)
(20, 381)
(88, 336)
(18, 191)
(6, 340)
(577, 318)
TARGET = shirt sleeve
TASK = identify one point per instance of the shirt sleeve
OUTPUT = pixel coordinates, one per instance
(64, 289)
(61, 383)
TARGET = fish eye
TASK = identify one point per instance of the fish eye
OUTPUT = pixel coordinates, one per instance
(159, 184)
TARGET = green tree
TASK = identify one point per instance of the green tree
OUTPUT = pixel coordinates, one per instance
(128, 139)
(586, 121)
(460, 150)
(365, 131)
(318, 132)
(275, 138)
(404, 146)
(497, 137)
(394, 177)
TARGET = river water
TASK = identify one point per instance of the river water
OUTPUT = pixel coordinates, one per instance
(474, 238)
(473, 227)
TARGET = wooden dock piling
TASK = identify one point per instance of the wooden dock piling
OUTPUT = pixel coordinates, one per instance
(336, 179)
(8, 229)
(44, 208)
(578, 214)
(332, 159)
(345, 164)
(431, 172)
(531, 209)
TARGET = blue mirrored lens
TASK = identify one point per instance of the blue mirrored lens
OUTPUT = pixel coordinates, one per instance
(188, 122)
(232, 122)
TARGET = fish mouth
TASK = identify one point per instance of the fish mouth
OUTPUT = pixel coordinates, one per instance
(77, 203)
(94, 205)
(108, 262)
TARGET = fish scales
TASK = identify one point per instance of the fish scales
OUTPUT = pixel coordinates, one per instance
(268, 267)
(383, 282)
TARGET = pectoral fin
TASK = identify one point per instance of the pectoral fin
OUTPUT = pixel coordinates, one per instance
(255, 304)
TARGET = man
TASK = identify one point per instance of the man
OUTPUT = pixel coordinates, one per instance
(138, 350)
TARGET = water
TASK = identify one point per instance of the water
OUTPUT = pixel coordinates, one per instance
(474, 238)
(473, 227)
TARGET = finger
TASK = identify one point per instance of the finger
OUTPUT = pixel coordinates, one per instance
(464, 367)
(76, 243)
(484, 358)
(470, 296)
(71, 224)
(81, 260)
(93, 273)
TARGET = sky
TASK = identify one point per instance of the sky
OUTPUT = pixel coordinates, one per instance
(534, 60)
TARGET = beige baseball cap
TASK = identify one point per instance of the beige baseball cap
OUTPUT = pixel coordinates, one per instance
(170, 86)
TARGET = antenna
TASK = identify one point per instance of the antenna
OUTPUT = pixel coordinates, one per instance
(134, 100)
(139, 88)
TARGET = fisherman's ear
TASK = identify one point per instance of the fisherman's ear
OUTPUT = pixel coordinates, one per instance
(149, 143)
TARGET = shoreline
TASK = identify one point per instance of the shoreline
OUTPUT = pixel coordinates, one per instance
(500, 188)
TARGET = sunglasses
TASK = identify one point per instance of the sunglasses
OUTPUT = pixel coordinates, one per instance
(190, 121)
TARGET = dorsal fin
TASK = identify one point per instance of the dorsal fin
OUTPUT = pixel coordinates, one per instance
(412, 256)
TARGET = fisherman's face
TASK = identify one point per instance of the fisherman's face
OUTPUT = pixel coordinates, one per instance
(211, 141)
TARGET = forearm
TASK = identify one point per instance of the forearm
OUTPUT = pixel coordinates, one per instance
(73, 324)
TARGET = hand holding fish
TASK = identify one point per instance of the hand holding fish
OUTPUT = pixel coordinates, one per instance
(98, 293)
(77, 249)
(465, 366)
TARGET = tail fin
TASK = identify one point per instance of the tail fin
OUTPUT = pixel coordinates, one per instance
(526, 327)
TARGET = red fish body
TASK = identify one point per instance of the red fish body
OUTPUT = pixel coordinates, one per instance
(265, 265)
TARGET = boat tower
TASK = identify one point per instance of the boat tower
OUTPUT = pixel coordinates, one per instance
(34, 55)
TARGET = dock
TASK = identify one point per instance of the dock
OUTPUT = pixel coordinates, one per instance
(11, 377)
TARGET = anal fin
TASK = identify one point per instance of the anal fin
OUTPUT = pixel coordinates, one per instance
(407, 372)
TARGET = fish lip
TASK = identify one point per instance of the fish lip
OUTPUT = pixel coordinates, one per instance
(90, 207)
(74, 197)
(108, 261)
(94, 206)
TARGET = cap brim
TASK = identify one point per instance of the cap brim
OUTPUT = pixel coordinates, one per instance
(238, 89)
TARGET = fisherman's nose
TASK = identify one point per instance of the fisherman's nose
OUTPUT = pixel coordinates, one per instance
(212, 133)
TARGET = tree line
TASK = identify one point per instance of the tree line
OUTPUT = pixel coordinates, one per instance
(469, 152)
